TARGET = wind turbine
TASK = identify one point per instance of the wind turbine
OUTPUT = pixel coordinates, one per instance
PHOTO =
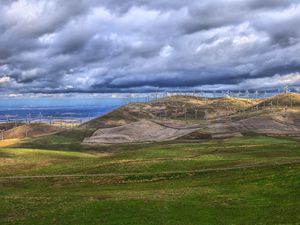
(41, 117)
(256, 94)
(206, 114)
(286, 89)
(29, 118)
(222, 93)
(247, 94)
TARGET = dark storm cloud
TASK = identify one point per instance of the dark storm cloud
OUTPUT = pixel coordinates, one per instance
(138, 45)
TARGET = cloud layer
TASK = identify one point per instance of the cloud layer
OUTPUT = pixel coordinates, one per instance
(137, 45)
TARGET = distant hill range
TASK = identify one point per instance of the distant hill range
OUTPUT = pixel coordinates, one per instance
(175, 107)
(197, 118)
(182, 117)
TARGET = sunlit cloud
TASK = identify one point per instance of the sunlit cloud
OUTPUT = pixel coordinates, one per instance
(55, 47)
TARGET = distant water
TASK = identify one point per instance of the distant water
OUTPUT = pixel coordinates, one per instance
(17, 109)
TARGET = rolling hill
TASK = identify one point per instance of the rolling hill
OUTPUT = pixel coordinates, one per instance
(30, 130)
(176, 108)
(184, 117)
(192, 117)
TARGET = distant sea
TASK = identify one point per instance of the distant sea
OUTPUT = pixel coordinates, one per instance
(21, 109)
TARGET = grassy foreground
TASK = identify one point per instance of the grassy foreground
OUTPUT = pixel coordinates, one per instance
(249, 180)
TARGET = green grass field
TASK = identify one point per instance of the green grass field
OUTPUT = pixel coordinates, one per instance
(249, 180)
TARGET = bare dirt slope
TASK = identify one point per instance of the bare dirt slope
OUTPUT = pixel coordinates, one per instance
(254, 125)
(141, 131)
(150, 131)
(267, 125)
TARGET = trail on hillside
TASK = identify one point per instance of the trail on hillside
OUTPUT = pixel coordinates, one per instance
(248, 166)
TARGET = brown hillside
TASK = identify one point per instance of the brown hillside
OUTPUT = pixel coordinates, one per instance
(30, 130)
(282, 100)
(175, 107)
(7, 126)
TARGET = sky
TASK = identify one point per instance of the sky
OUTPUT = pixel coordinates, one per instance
(120, 46)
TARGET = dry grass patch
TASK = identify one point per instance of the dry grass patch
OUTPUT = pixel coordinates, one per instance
(9, 142)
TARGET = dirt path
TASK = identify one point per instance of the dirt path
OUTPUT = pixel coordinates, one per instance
(249, 166)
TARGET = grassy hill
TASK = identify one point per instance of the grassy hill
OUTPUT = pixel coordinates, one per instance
(282, 100)
(233, 181)
(29, 130)
(8, 126)
(121, 116)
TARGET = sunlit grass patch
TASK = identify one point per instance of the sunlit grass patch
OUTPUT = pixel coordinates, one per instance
(9, 142)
